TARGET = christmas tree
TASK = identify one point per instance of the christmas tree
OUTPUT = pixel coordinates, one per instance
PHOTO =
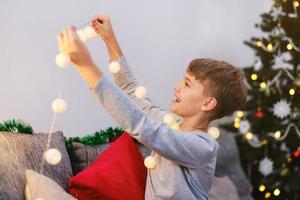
(267, 129)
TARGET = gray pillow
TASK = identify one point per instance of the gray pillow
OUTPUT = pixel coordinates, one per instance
(228, 164)
(82, 155)
(19, 152)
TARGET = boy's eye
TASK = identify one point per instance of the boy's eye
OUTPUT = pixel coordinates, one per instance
(186, 84)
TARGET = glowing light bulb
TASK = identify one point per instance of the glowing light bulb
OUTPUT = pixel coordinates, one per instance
(140, 92)
(262, 188)
(289, 47)
(277, 134)
(150, 162)
(263, 85)
(276, 192)
(169, 119)
(114, 67)
(53, 156)
(259, 43)
(254, 77)
(62, 60)
(240, 114)
(292, 91)
(214, 132)
(270, 47)
(267, 195)
(237, 124)
(296, 4)
(59, 106)
(249, 136)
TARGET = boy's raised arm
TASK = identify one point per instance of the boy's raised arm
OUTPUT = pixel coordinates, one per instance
(187, 149)
(125, 78)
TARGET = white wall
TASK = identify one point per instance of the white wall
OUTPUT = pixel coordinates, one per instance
(158, 37)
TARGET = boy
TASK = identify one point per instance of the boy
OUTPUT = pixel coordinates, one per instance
(185, 158)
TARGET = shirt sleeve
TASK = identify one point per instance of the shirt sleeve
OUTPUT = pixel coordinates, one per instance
(190, 149)
(126, 80)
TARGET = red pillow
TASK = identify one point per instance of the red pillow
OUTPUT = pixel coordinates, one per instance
(118, 174)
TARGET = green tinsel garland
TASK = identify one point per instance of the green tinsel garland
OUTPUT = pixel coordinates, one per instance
(16, 126)
(100, 137)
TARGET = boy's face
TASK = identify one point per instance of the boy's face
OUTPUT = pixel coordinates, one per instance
(190, 98)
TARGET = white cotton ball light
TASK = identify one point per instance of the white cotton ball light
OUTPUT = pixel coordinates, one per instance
(150, 162)
(82, 35)
(59, 106)
(140, 92)
(214, 132)
(90, 33)
(175, 126)
(53, 156)
(169, 119)
(63, 60)
(114, 67)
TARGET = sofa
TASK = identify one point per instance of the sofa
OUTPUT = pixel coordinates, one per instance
(19, 152)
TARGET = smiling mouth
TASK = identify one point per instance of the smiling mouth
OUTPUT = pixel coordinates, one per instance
(176, 99)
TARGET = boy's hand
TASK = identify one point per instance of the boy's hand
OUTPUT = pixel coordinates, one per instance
(102, 26)
(69, 43)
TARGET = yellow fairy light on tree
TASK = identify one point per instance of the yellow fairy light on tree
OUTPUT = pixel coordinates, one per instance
(292, 91)
(236, 124)
(237, 120)
(277, 134)
(259, 43)
(240, 114)
(254, 77)
(270, 47)
(263, 85)
(264, 142)
(276, 192)
(249, 136)
(262, 188)
(296, 4)
(289, 47)
(267, 195)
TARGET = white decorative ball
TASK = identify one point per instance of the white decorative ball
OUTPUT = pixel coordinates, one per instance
(82, 35)
(59, 106)
(244, 126)
(265, 166)
(169, 119)
(90, 32)
(214, 132)
(114, 67)
(53, 156)
(175, 126)
(63, 60)
(140, 92)
(150, 162)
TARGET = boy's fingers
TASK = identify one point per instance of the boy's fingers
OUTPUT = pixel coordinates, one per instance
(70, 33)
(60, 38)
(65, 35)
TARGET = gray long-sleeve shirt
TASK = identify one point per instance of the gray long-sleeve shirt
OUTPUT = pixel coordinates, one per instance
(185, 160)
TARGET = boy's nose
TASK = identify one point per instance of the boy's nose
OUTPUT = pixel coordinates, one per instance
(176, 88)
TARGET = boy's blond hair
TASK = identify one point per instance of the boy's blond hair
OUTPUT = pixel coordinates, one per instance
(222, 81)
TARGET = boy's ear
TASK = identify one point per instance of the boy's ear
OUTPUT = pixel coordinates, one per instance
(209, 104)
